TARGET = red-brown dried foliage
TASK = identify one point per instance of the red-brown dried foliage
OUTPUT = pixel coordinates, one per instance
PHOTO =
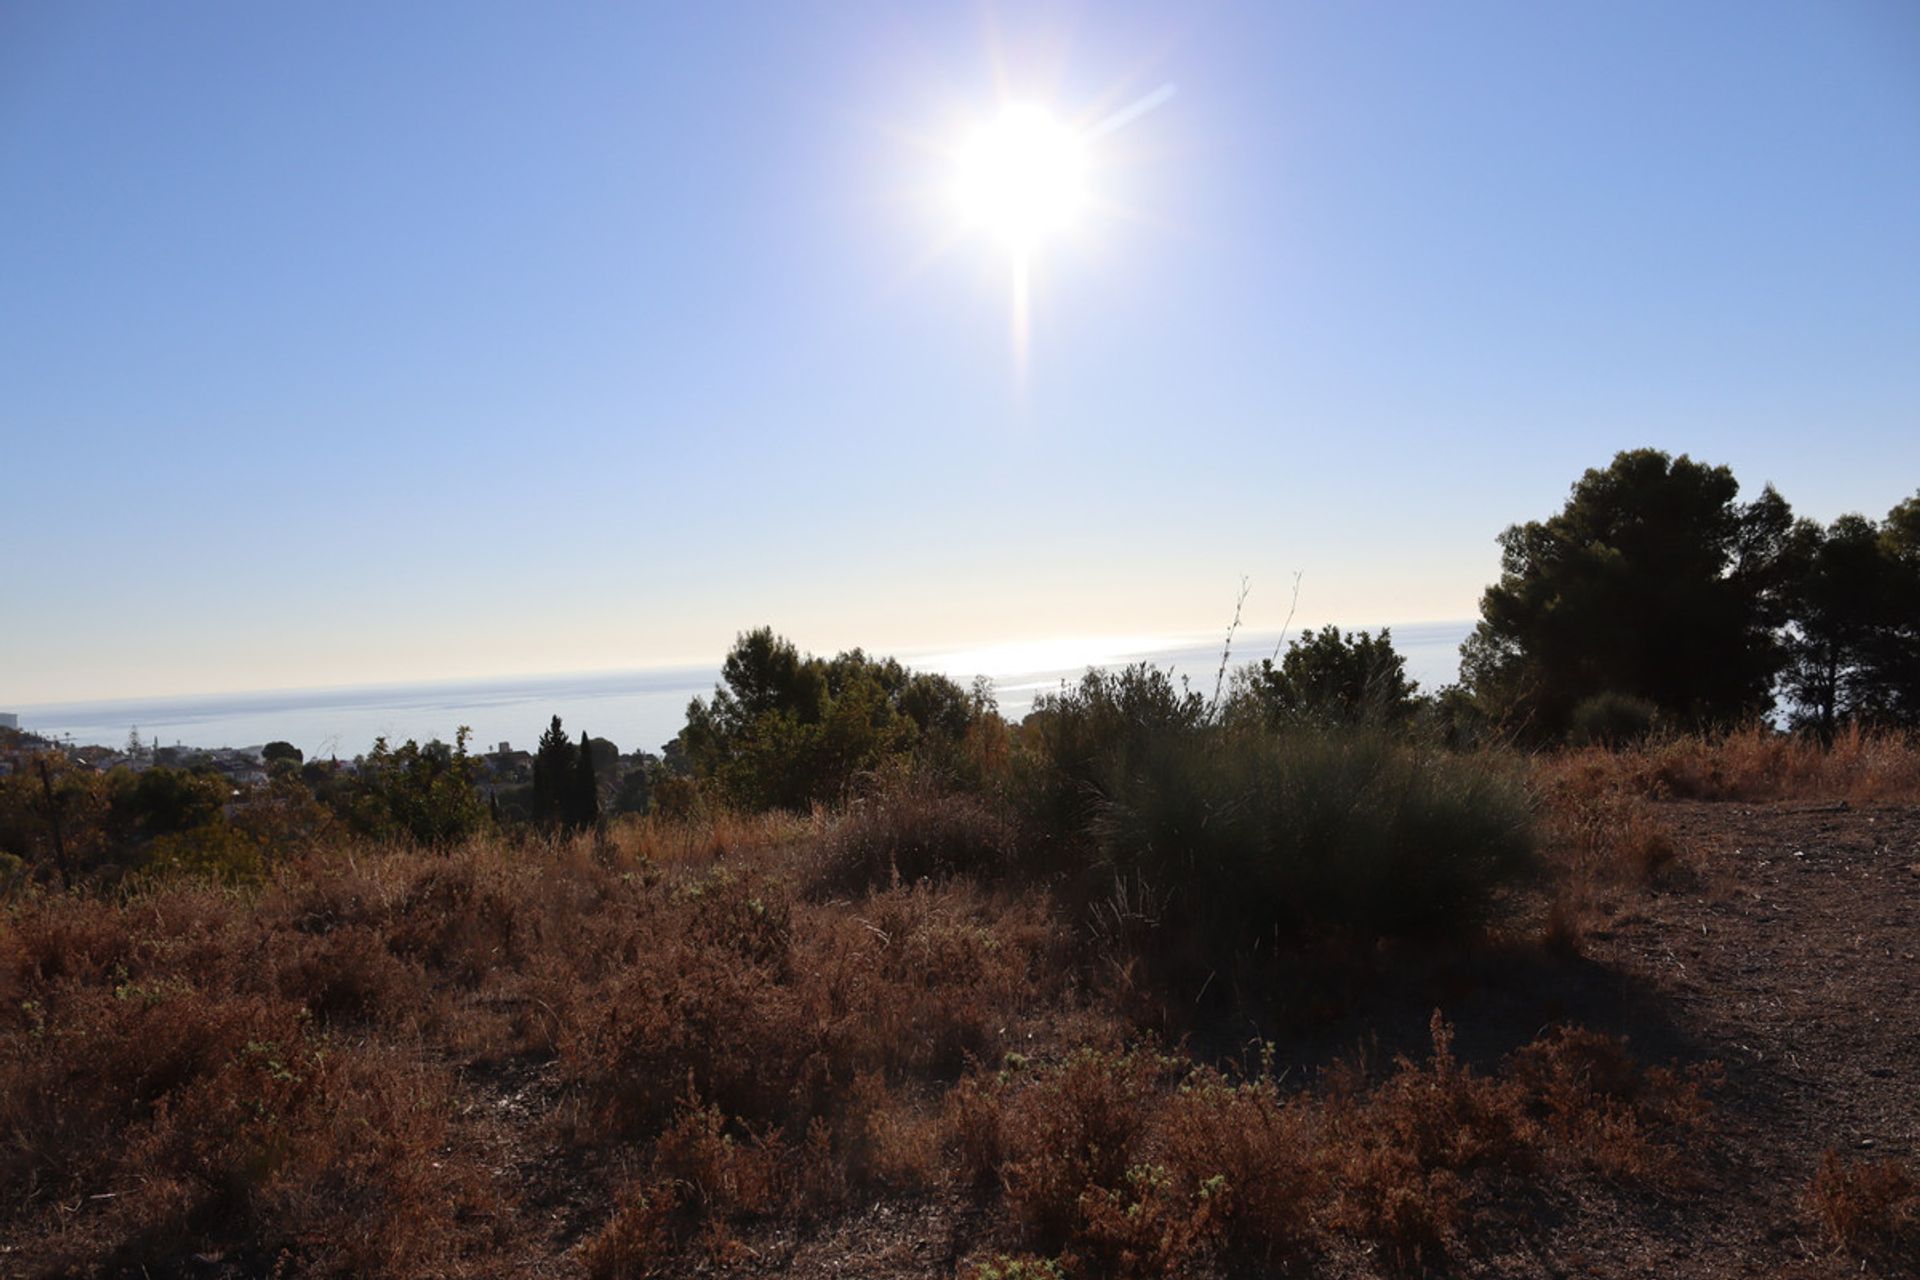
(1868, 1207)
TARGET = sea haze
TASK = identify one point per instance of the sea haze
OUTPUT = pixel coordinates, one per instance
(635, 709)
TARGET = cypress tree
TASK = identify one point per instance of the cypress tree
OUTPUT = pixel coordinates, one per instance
(585, 809)
(553, 777)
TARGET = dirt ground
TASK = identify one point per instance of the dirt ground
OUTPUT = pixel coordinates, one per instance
(1792, 961)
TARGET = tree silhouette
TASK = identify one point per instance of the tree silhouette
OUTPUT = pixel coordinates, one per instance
(583, 808)
(554, 777)
(1652, 582)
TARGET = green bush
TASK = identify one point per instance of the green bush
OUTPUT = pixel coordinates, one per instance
(423, 794)
(787, 730)
(1250, 836)
(1073, 742)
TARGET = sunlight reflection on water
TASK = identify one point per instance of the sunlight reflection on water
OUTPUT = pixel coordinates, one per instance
(633, 708)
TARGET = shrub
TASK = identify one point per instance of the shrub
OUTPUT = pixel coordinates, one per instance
(1074, 1132)
(1253, 836)
(1073, 742)
(215, 851)
(1328, 679)
(1611, 720)
(909, 831)
(638, 1240)
(789, 730)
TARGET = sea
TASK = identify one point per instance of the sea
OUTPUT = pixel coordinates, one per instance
(638, 709)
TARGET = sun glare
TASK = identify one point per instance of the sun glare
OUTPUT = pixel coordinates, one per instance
(1022, 177)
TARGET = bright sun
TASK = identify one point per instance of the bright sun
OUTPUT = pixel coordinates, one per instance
(1022, 177)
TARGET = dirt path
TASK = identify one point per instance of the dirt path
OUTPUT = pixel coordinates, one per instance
(1792, 961)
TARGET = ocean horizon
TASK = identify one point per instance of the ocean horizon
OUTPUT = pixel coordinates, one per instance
(637, 709)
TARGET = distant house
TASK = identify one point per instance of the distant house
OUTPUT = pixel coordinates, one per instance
(10, 720)
(508, 767)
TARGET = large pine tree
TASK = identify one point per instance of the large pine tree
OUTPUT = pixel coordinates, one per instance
(1653, 582)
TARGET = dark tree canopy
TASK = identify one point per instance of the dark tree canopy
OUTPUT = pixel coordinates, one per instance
(1654, 583)
(1853, 647)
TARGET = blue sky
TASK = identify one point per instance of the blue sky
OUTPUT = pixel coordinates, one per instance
(348, 343)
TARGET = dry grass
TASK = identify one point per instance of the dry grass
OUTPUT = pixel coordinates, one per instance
(912, 829)
(1603, 835)
(1755, 764)
(1869, 1208)
(707, 836)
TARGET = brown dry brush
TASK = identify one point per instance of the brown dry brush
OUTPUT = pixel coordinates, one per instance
(296, 1075)
(1870, 1208)
(1134, 1163)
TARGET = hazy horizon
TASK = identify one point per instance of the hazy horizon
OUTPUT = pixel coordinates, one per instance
(353, 343)
(638, 707)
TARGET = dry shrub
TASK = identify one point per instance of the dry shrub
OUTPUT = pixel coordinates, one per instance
(180, 1118)
(910, 830)
(774, 1008)
(1104, 1154)
(1017, 1267)
(882, 1139)
(324, 1070)
(638, 1240)
(1623, 1120)
(970, 1131)
(352, 976)
(1600, 840)
(1408, 1153)
(1401, 1152)
(1605, 838)
(1154, 1224)
(723, 1173)
(1251, 1157)
(1072, 1132)
(1870, 1208)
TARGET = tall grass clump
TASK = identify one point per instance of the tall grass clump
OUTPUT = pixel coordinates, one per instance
(909, 829)
(1251, 836)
